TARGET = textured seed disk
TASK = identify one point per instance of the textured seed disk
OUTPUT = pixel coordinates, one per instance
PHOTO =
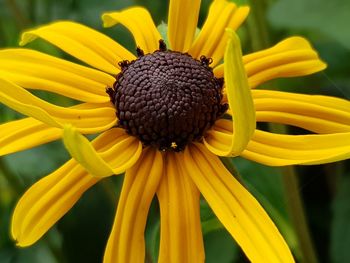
(167, 98)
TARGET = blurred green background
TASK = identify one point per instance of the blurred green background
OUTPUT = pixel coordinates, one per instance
(82, 234)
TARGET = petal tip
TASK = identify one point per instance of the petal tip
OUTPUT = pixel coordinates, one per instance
(323, 65)
(69, 135)
(21, 241)
(26, 38)
(232, 36)
(107, 20)
(68, 129)
(245, 9)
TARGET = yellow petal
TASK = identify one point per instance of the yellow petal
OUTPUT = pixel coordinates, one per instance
(139, 22)
(240, 102)
(35, 70)
(24, 134)
(83, 152)
(87, 120)
(50, 198)
(126, 242)
(82, 42)
(182, 23)
(236, 208)
(319, 114)
(28, 132)
(280, 150)
(212, 39)
(16, 98)
(47, 201)
(291, 57)
(181, 236)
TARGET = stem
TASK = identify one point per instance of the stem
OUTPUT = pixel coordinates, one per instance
(257, 25)
(260, 39)
(296, 211)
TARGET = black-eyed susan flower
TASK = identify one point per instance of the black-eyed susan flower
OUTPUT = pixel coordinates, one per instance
(160, 119)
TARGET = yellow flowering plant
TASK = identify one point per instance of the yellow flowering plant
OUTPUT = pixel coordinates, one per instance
(164, 117)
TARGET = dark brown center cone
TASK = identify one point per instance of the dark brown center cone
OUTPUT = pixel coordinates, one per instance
(167, 99)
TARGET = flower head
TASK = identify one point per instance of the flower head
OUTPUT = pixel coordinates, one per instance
(160, 119)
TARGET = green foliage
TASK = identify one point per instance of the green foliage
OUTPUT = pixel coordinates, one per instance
(328, 17)
(340, 235)
(87, 225)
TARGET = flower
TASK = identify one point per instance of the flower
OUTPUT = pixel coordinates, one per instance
(176, 178)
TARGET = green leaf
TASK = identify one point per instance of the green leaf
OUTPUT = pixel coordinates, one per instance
(328, 17)
(340, 229)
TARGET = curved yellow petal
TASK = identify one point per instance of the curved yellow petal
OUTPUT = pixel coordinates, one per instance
(84, 43)
(24, 134)
(82, 151)
(180, 228)
(16, 98)
(212, 39)
(88, 120)
(281, 149)
(182, 23)
(291, 57)
(319, 114)
(35, 70)
(240, 101)
(50, 198)
(47, 201)
(126, 242)
(140, 23)
(236, 208)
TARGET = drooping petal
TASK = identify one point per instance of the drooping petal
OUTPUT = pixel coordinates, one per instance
(87, 120)
(240, 101)
(126, 242)
(35, 70)
(47, 201)
(51, 197)
(212, 39)
(291, 57)
(84, 43)
(235, 207)
(181, 236)
(140, 23)
(319, 114)
(182, 23)
(83, 152)
(280, 149)
(24, 134)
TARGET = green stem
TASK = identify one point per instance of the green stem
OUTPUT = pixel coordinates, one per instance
(257, 28)
(296, 211)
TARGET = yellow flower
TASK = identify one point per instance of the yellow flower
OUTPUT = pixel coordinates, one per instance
(176, 175)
